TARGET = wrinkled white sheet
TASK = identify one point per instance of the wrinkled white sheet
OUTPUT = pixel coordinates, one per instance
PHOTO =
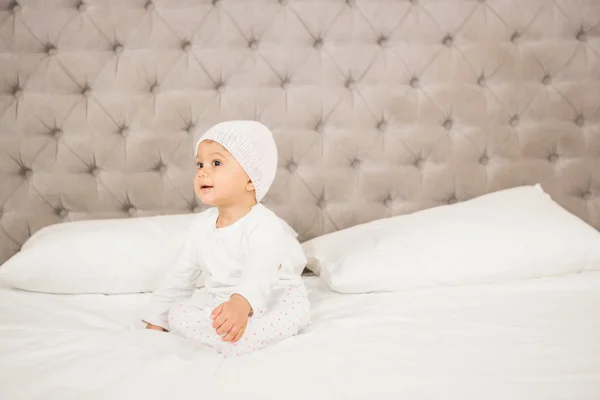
(534, 340)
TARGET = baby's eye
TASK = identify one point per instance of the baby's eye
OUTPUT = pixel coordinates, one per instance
(216, 163)
(199, 165)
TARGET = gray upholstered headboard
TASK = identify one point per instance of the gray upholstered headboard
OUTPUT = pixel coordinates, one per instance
(380, 107)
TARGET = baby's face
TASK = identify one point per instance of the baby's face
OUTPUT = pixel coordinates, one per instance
(220, 180)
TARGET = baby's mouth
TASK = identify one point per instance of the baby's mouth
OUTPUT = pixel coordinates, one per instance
(205, 187)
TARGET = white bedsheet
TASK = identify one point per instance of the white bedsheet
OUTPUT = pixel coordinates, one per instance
(529, 340)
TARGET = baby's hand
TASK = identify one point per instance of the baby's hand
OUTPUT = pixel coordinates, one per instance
(231, 318)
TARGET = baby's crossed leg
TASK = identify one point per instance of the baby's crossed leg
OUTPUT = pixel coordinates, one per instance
(287, 314)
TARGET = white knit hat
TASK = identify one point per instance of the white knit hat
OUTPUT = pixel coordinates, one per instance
(252, 145)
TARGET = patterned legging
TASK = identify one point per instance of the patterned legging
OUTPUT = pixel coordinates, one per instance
(287, 313)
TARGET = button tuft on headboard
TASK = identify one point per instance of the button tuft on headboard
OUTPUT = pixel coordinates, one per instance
(388, 201)
(414, 82)
(419, 162)
(50, 49)
(56, 133)
(320, 127)
(86, 91)
(292, 166)
(350, 83)
(124, 130)
(26, 172)
(253, 43)
(547, 79)
(448, 124)
(321, 203)
(219, 85)
(448, 40)
(190, 127)
(515, 37)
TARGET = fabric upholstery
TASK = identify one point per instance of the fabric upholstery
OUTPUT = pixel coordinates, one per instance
(379, 107)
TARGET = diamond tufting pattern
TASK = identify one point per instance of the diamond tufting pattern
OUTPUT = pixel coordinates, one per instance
(380, 107)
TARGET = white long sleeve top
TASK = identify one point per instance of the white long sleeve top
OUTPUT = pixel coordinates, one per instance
(252, 256)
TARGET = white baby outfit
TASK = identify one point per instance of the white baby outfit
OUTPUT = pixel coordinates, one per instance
(257, 257)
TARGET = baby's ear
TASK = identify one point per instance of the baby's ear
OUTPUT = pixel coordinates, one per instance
(249, 186)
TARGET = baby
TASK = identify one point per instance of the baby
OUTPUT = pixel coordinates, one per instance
(251, 258)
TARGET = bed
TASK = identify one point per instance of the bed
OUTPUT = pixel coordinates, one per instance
(527, 340)
(402, 127)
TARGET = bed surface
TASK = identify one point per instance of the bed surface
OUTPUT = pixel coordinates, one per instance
(527, 340)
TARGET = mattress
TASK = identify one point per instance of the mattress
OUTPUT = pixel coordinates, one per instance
(537, 339)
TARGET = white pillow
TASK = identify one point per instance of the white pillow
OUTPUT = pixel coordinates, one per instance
(518, 233)
(111, 256)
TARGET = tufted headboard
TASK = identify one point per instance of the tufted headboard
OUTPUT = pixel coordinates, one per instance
(379, 107)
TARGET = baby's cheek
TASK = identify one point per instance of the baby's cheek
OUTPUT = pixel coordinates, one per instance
(196, 179)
